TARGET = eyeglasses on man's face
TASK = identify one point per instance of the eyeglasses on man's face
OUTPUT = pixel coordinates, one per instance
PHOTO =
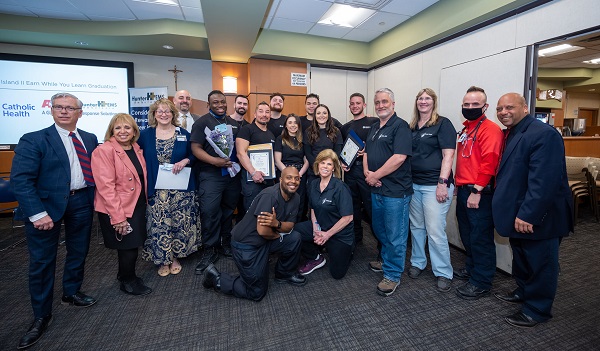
(67, 108)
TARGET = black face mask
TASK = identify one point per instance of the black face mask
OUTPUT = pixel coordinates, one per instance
(473, 113)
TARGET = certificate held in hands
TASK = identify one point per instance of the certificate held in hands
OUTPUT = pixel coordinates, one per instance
(167, 180)
(261, 157)
(351, 148)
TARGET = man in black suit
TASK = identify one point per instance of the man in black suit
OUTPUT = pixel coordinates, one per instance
(52, 181)
(183, 101)
(531, 206)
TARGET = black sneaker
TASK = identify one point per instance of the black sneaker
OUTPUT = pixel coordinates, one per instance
(462, 274)
(469, 291)
(209, 255)
(135, 287)
(414, 272)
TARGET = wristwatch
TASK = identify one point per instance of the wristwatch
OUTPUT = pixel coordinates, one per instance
(443, 181)
(279, 224)
(475, 191)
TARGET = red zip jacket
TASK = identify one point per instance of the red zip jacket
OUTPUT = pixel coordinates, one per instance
(477, 157)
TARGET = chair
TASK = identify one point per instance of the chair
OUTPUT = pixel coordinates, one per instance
(591, 180)
(7, 198)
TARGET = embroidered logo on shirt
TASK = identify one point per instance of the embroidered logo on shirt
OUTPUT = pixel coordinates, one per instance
(382, 136)
(426, 134)
(326, 201)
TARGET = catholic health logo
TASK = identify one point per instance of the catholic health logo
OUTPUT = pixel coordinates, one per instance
(145, 98)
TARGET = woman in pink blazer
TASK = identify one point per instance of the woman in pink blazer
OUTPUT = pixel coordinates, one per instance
(120, 174)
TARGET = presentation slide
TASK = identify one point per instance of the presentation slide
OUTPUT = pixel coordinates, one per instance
(26, 89)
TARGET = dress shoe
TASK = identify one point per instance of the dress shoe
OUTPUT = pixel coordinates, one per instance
(296, 279)
(511, 297)
(212, 278)
(520, 319)
(469, 291)
(209, 255)
(79, 299)
(35, 332)
(462, 274)
(135, 287)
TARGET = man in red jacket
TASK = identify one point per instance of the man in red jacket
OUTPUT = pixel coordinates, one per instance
(477, 151)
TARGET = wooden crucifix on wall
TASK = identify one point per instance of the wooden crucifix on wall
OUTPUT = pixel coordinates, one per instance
(175, 71)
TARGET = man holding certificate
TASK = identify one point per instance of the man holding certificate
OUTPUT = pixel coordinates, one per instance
(266, 228)
(257, 161)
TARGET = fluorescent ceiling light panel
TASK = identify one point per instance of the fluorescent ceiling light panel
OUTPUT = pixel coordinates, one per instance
(558, 49)
(345, 16)
(160, 2)
(595, 61)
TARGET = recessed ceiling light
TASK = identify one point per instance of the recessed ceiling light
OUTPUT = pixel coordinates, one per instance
(595, 61)
(345, 16)
(82, 43)
(382, 23)
(558, 49)
(168, 47)
(592, 90)
(160, 2)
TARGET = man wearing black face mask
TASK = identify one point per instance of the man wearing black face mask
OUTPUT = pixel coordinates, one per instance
(477, 151)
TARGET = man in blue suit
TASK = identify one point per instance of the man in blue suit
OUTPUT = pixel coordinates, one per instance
(532, 206)
(52, 181)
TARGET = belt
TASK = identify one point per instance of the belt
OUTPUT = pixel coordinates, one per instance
(73, 192)
(486, 190)
(298, 166)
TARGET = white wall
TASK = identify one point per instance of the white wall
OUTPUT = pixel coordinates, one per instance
(334, 88)
(149, 71)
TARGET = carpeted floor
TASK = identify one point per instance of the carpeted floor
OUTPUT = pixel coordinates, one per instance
(323, 315)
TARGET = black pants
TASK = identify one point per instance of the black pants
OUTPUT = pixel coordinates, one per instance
(250, 189)
(340, 253)
(127, 261)
(253, 265)
(218, 196)
(361, 197)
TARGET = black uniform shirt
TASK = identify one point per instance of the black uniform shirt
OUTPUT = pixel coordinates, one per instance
(361, 127)
(331, 205)
(245, 232)
(382, 143)
(307, 123)
(276, 125)
(428, 142)
(289, 156)
(322, 143)
(198, 136)
(254, 135)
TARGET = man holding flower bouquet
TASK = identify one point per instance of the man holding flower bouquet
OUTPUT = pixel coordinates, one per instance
(213, 140)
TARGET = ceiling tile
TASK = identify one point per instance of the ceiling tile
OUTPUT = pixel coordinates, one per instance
(407, 7)
(10, 2)
(329, 31)
(54, 5)
(15, 10)
(193, 14)
(59, 14)
(107, 18)
(302, 10)
(144, 10)
(288, 25)
(389, 20)
(273, 9)
(105, 8)
(190, 3)
(362, 35)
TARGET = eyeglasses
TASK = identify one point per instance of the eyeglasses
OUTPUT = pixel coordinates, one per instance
(425, 98)
(167, 112)
(68, 108)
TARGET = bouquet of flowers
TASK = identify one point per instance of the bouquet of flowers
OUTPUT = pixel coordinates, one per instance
(223, 144)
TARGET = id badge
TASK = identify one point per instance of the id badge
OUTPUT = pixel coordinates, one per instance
(221, 128)
(462, 137)
(181, 138)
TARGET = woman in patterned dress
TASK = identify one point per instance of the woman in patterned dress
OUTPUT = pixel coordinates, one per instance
(172, 214)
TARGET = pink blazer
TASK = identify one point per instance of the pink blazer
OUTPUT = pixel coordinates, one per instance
(118, 185)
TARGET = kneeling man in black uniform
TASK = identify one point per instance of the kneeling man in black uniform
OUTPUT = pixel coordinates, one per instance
(266, 227)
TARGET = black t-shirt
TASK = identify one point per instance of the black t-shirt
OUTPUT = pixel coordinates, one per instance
(382, 143)
(307, 123)
(198, 136)
(361, 127)
(322, 143)
(254, 135)
(331, 205)
(276, 125)
(245, 232)
(427, 145)
(289, 156)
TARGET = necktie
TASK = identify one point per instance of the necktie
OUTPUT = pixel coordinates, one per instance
(184, 121)
(84, 160)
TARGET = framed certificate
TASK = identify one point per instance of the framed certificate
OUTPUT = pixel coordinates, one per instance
(261, 158)
(351, 148)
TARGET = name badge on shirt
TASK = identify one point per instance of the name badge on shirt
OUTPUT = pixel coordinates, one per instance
(221, 128)
(181, 138)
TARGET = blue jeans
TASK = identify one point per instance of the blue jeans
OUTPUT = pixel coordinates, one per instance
(476, 228)
(428, 221)
(390, 223)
